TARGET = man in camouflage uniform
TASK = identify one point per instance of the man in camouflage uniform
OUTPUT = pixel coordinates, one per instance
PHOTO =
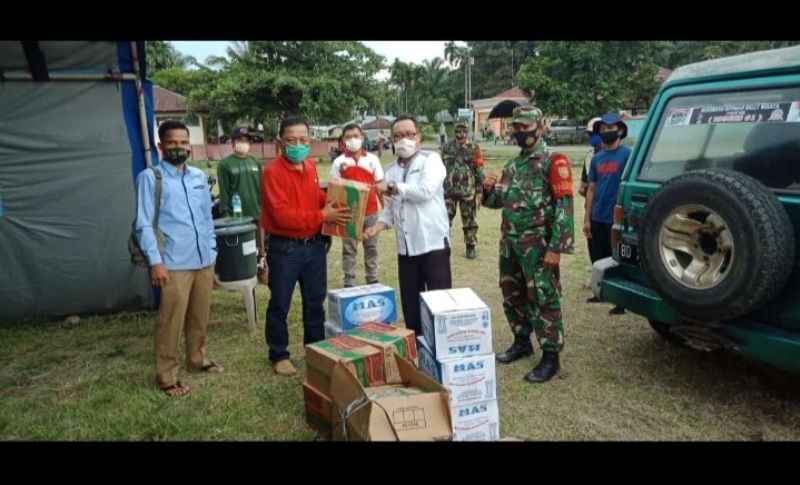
(535, 193)
(463, 185)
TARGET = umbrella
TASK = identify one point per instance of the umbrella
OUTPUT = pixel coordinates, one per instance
(503, 109)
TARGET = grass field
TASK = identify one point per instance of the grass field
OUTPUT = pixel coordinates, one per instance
(93, 379)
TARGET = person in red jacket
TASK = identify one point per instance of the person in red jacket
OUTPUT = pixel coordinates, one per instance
(292, 213)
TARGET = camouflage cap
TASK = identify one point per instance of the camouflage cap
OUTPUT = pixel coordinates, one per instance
(462, 122)
(526, 114)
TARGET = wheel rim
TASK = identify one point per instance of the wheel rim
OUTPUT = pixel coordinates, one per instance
(696, 247)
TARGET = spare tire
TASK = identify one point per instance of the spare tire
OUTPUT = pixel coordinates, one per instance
(716, 244)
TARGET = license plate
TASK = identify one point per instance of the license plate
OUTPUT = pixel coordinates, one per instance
(628, 254)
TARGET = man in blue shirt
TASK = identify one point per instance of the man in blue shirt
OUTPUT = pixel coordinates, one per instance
(185, 270)
(605, 174)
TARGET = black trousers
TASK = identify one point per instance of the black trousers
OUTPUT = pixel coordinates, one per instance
(600, 242)
(418, 274)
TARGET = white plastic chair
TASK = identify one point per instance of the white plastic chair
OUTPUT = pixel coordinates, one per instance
(248, 290)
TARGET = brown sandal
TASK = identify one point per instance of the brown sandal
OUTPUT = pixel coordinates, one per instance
(212, 368)
(177, 389)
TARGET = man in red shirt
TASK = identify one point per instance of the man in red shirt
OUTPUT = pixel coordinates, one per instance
(359, 165)
(292, 212)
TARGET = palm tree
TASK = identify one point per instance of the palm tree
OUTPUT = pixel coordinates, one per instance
(163, 55)
(454, 54)
(432, 83)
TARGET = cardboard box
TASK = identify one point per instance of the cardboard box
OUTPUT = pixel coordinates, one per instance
(351, 194)
(332, 330)
(456, 323)
(476, 422)
(318, 408)
(389, 340)
(467, 379)
(416, 417)
(365, 361)
(350, 307)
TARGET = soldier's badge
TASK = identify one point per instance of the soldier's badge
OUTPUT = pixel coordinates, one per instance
(563, 172)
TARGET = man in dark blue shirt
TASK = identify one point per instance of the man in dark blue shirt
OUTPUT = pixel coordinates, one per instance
(605, 173)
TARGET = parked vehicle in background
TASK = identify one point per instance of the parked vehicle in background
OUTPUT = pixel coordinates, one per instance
(708, 210)
(564, 131)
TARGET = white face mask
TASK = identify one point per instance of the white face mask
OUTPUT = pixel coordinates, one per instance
(353, 144)
(405, 148)
(241, 147)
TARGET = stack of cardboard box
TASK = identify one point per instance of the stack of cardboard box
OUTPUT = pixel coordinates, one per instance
(350, 307)
(368, 352)
(456, 351)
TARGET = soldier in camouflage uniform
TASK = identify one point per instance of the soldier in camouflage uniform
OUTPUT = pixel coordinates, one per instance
(535, 194)
(463, 185)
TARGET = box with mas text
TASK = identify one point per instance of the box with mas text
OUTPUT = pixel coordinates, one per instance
(467, 379)
(456, 323)
(350, 307)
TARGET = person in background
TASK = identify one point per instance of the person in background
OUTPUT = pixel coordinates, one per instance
(596, 144)
(605, 174)
(463, 185)
(361, 166)
(240, 173)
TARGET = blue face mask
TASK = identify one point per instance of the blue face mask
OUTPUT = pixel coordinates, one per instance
(594, 140)
(297, 153)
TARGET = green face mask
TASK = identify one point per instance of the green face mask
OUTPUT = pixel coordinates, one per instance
(176, 156)
(297, 153)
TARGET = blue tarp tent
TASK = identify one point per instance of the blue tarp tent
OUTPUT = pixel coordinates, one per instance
(76, 127)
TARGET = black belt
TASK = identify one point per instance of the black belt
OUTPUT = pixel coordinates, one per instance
(301, 240)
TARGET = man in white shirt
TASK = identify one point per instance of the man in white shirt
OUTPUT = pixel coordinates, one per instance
(414, 206)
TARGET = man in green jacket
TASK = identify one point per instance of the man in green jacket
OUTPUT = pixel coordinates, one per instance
(240, 173)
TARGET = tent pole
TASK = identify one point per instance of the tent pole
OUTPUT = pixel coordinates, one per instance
(111, 76)
(142, 113)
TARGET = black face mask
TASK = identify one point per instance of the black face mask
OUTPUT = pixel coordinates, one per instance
(609, 137)
(176, 156)
(526, 139)
(460, 135)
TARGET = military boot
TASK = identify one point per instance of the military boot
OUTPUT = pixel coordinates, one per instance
(545, 369)
(470, 251)
(521, 347)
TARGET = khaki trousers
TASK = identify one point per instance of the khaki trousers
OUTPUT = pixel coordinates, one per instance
(185, 303)
(350, 251)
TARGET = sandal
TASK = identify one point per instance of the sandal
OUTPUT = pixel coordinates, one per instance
(212, 368)
(177, 389)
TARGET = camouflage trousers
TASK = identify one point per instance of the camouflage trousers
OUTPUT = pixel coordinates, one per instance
(531, 292)
(469, 210)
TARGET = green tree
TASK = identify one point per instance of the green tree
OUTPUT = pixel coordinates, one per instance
(324, 81)
(579, 80)
(497, 64)
(163, 55)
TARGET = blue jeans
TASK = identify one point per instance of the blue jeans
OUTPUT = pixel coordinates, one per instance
(291, 262)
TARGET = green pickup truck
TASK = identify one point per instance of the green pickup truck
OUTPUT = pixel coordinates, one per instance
(708, 210)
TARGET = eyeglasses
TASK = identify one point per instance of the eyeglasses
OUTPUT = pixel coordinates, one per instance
(409, 134)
